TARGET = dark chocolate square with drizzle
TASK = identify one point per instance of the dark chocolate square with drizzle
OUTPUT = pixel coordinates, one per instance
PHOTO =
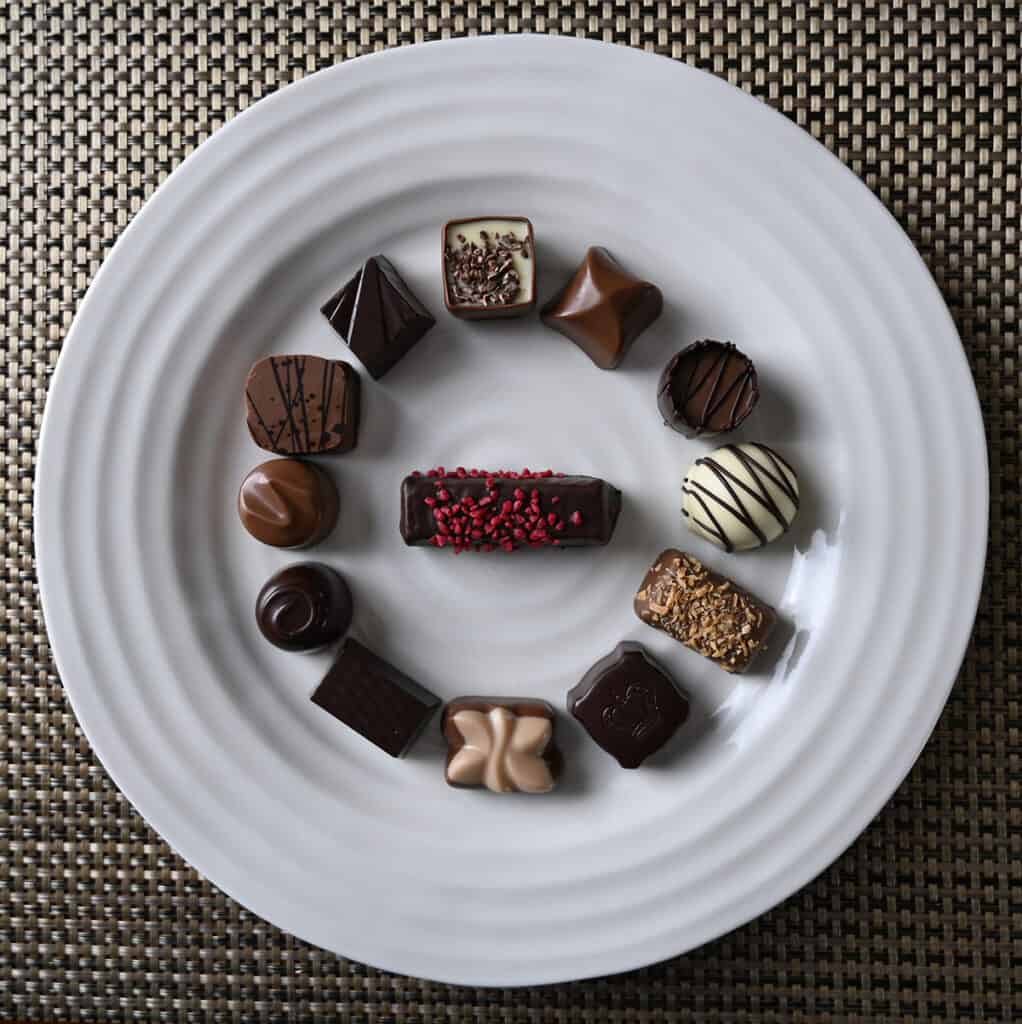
(628, 704)
(375, 699)
(378, 315)
(302, 405)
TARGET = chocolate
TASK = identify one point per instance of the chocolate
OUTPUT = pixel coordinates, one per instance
(378, 316)
(483, 510)
(287, 503)
(503, 743)
(603, 308)
(302, 405)
(489, 267)
(304, 607)
(704, 611)
(708, 388)
(375, 699)
(628, 704)
(740, 496)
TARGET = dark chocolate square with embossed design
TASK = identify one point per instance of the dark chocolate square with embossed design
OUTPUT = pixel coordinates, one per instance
(628, 704)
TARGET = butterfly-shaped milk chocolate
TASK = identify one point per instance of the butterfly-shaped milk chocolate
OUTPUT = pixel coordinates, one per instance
(503, 744)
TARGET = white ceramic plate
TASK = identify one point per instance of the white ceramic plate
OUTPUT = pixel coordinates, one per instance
(755, 233)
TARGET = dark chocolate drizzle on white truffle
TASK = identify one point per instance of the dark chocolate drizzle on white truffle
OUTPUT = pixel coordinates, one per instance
(761, 475)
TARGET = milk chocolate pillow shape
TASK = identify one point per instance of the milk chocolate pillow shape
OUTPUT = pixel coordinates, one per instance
(603, 308)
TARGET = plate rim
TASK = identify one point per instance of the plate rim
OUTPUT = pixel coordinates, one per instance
(877, 798)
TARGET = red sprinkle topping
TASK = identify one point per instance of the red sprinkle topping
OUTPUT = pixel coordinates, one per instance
(498, 519)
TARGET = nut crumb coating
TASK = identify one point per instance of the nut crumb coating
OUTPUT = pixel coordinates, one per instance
(704, 611)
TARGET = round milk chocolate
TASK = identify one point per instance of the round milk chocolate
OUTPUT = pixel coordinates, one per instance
(287, 503)
(708, 388)
(304, 607)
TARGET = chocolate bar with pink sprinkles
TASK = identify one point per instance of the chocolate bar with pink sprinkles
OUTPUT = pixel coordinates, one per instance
(501, 510)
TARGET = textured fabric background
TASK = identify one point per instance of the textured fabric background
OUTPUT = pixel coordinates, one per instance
(920, 921)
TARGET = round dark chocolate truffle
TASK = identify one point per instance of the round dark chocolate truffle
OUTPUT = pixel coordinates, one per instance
(304, 607)
(287, 503)
(708, 388)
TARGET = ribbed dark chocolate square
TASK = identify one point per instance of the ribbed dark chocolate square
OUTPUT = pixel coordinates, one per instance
(375, 699)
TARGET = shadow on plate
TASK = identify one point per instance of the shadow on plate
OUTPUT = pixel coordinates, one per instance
(687, 743)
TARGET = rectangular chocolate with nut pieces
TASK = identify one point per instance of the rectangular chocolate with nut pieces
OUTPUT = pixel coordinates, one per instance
(706, 612)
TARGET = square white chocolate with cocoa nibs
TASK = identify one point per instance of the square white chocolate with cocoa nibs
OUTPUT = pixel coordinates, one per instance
(489, 267)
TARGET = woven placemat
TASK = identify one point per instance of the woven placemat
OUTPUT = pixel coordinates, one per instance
(920, 921)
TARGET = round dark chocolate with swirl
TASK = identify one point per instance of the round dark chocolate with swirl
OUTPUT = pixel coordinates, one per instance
(708, 388)
(304, 607)
(288, 503)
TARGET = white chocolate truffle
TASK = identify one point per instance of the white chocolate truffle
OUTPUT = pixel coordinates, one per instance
(739, 497)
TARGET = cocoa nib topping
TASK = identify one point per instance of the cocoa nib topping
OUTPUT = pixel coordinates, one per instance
(505, 517)
(483, 273)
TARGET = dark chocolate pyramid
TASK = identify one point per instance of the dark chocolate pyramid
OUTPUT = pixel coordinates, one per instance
(378, 316)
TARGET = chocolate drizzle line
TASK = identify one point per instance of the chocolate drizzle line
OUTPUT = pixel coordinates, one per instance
(285, 397)
(326, 392)
(774, 473)
(300, 387)
(259, 416)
